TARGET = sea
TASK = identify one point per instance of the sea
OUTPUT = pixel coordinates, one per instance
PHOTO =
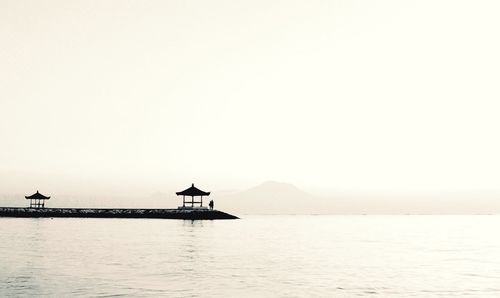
(256, 256)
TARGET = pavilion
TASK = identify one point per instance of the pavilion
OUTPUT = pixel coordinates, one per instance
(192, 192)
(37, 200)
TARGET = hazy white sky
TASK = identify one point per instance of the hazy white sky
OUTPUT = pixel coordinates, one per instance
(363, 95)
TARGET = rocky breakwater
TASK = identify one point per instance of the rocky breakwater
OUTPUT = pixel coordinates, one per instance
(179, 213)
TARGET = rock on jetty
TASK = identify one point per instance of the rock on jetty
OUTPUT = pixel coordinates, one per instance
(180, 213)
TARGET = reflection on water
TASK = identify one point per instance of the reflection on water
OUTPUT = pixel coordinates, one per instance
(269, 256)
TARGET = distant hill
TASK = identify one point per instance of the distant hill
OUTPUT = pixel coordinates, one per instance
(275, 190)
(273, 198)
(282, 198)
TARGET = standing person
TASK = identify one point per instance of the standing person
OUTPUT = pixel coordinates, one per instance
(211, 204)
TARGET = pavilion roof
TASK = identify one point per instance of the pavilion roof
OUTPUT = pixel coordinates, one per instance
(192, 192)
(37, 196)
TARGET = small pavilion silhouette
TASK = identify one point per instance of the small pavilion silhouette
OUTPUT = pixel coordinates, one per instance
(37, 200)
(192, 192)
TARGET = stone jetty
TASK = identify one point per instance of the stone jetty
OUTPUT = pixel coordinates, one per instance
(179, 213)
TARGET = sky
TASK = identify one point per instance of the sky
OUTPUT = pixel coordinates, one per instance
(143, 96)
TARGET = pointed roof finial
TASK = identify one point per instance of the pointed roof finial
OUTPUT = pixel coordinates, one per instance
(193, 191)
(37, 196)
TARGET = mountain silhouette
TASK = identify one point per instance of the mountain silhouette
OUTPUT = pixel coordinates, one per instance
(273, 189)
(273, 197)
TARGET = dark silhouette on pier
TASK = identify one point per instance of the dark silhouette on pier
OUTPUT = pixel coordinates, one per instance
(211, 204)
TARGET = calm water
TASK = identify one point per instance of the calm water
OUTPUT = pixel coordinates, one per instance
(269, 256)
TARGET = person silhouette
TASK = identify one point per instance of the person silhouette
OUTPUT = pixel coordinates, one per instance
(211, 204)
